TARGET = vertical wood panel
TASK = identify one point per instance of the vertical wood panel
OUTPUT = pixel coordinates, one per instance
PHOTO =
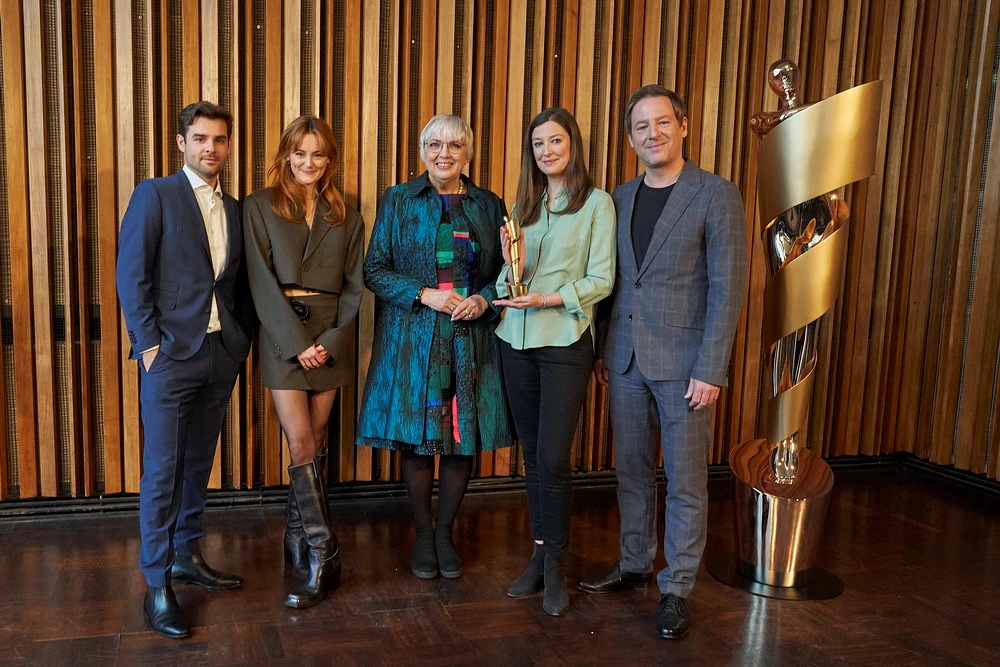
(209, 50)
(79, 244)
(291, 30)
(350, 33)
(515, 100)
(444, 93)
(107, 243)
(20, 248)
(368, 184)
(125, 168)
(41, 288)
(982, 233)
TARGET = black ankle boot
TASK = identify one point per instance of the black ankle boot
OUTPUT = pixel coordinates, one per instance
(324, 559)
(192, 569)
(163, 614)
(533, 578)
(556, 599)
(423, 558)
(448, 559)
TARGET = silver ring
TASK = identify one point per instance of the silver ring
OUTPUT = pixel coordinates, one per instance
(452, 309)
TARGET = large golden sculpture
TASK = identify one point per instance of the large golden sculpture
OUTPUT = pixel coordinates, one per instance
(807, 152)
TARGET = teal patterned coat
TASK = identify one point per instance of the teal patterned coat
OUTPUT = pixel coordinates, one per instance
(401, 260)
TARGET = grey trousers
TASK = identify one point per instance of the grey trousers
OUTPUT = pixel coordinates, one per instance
(638, 408)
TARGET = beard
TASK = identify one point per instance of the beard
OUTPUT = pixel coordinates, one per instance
(204, 169)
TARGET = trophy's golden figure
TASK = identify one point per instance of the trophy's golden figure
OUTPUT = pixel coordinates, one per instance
(781, 489)
(513, 227)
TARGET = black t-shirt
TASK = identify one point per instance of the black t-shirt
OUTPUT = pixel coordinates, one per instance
(649, 203)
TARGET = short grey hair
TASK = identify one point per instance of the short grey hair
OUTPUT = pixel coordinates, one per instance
(447, 127)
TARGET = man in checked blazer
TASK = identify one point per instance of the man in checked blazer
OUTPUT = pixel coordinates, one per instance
(665, 336)
(183, 289)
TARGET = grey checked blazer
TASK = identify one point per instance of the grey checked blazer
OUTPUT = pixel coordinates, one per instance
(677, 313)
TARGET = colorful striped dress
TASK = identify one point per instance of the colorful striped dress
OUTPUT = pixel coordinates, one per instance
(451, 396)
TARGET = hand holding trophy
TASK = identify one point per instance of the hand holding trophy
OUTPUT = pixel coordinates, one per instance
(513, 229)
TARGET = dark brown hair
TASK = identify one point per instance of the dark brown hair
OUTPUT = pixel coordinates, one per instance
(287, 198)
(531, 184)
(203, 109)
(654, 90)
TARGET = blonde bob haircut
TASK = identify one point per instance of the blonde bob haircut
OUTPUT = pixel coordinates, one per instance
(446, 127)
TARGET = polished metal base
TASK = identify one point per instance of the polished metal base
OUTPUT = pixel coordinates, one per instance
(721, 564)
(777, 525)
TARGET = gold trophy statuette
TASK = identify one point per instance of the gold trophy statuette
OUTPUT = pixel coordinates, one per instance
(516, 287)
(781, 489)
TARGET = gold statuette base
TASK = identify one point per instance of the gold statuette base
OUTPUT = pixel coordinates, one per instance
(517, 289)
(777, 527)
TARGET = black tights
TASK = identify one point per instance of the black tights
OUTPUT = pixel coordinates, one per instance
(418, 475)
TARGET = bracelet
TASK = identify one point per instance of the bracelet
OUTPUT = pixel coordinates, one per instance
(420, 293)
(544, 298)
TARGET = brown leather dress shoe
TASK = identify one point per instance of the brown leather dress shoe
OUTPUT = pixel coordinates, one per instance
(615, 579)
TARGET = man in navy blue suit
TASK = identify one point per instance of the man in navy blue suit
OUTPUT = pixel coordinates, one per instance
(183, 288)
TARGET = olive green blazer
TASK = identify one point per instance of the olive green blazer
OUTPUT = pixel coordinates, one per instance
(327, 258)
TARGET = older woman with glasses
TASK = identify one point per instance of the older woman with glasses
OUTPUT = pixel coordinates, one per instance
(434, 383)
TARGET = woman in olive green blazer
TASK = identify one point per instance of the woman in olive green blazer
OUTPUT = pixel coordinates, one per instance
(304, 252)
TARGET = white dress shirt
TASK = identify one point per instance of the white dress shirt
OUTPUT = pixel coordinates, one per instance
(214, 216)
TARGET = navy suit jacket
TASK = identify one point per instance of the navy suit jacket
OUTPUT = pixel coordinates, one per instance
(677, 311)
(165, 275)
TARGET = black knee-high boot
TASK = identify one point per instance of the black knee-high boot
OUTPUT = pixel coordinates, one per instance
(324, 558)
(296, 547)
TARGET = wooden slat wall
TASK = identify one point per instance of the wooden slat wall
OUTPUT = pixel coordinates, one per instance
(91, 88)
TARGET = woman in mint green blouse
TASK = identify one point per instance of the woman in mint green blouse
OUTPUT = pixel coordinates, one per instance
(568, 251)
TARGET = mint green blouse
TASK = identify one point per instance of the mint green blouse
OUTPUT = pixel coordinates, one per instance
(573, 254)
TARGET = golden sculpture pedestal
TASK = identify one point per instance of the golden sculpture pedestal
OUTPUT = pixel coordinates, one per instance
(777, 528)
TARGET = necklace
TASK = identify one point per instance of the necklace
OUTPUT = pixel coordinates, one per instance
(460, 191)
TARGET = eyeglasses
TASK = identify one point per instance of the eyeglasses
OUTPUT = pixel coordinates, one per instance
(435, 147)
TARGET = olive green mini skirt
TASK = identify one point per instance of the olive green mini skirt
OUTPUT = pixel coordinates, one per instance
(279, 373)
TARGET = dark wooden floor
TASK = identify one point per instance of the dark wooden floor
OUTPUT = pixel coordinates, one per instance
(920, 560)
